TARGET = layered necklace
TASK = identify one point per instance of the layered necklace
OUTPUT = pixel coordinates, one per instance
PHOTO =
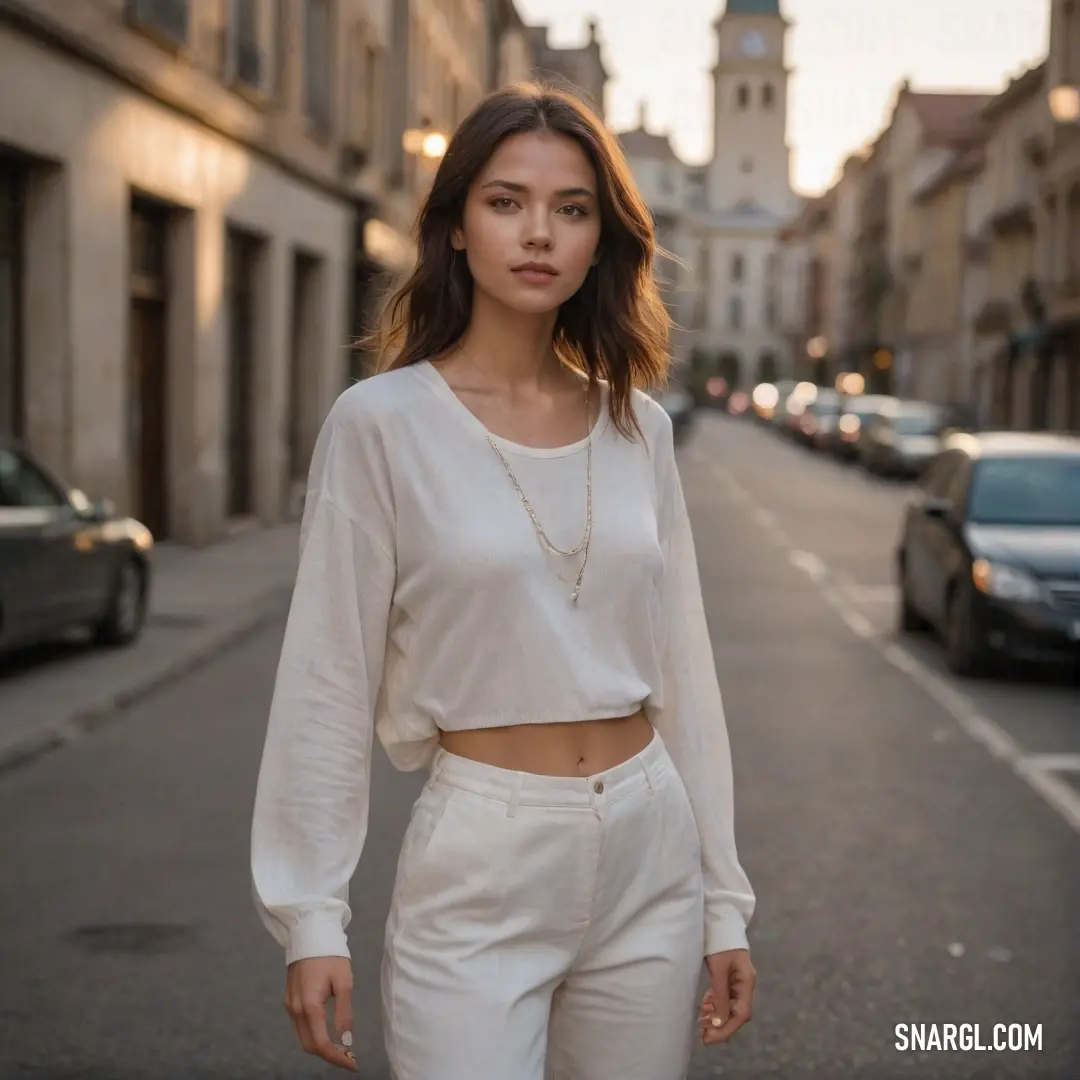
(583, 546)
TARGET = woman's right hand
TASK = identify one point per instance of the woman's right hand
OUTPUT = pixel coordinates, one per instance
(309, 985)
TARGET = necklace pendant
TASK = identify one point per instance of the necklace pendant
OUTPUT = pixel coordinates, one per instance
(573, 596)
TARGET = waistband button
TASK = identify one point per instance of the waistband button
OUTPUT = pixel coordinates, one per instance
(598, 787)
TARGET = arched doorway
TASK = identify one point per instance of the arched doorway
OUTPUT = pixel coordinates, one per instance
(730, 369)
(768, 367)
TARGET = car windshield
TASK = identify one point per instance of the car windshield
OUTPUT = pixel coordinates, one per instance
(865, 408)
(1026, 491)
(917, 423)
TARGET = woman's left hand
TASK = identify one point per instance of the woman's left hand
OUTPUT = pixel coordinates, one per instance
(728, 1003)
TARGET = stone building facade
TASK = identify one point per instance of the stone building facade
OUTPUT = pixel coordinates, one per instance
(180, 186)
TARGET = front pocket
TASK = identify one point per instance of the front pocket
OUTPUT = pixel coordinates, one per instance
(684, 814)
(425, 826)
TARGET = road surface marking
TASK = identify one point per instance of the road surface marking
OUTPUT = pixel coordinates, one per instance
(1057, 792)
(1035, 770)
(1054, 762)
(858, 623)
(808, 562)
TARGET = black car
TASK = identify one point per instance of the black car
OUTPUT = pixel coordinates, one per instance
(66, 562)
(902, 439)
(820, 419)
(990, 549)
(856, 414)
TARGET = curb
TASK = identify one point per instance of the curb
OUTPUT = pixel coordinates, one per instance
(91, 716)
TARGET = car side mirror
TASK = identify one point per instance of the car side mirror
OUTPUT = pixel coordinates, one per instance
(103, 510)
(937, 506)
(96, 513)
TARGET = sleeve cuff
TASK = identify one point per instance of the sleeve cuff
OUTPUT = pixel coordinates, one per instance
(724, 932)
(316, 935)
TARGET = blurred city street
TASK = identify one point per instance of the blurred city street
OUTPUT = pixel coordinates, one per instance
(905, 874)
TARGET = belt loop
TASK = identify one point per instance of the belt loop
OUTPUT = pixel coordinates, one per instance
(515, 795)
(648, 774)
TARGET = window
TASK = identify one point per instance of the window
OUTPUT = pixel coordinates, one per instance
(167, 19)
(735, 313)
(1026, 491)
(22, 484)
(738, 268)
(245, 63)
(742, 96)
(918, 422)
(365, 90)
(770, 313)
(456, 98)
(768, 95)
(282, 32)
(318, 60)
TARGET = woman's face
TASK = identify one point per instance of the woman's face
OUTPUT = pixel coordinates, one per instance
(532, 222)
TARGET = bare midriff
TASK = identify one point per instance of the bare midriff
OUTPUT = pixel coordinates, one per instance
(580, 748)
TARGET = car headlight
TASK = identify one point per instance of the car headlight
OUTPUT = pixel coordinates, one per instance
(142, 538)
(1005, 582)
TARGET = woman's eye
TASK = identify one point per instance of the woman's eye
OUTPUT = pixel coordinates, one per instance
(575, 210)
(502, 203)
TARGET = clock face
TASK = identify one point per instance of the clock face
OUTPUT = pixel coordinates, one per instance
(753, 43)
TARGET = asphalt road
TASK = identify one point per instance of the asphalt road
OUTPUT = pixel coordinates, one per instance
(905, 873)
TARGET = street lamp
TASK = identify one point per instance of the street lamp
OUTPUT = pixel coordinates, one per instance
(425, 142)
(1064, 102)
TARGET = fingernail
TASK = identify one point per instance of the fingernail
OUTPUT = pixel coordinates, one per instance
(717, 1022)
(346, 1038)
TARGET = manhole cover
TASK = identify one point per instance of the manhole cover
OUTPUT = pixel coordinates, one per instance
(132, 939)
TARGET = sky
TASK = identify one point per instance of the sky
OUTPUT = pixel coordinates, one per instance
(848, 55)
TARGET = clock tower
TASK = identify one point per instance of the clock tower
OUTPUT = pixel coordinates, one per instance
(751, 159)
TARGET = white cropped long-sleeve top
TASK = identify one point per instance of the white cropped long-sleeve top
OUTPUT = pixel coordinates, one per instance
(424, 600)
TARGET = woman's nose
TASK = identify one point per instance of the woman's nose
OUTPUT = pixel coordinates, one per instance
(537, 229)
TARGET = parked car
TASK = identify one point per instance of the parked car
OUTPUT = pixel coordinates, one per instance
(66, 562)
(989, 553)
(777, 415)
(855, 416)
(792, 407)
(820, 418)
(679, 404)
(902, 439)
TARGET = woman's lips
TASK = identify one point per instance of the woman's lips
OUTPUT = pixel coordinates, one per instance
(535, 277)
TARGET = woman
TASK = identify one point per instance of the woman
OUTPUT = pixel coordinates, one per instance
(497, 576)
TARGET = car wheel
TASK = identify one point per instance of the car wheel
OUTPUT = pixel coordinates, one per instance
(126, 614)
(911, 622)
(963, 653)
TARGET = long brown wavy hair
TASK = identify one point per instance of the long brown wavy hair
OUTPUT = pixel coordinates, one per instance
(616, 327)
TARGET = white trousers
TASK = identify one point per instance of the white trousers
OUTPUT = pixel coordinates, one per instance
(545, 927)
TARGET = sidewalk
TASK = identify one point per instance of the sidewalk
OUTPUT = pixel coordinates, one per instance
(201, 601)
